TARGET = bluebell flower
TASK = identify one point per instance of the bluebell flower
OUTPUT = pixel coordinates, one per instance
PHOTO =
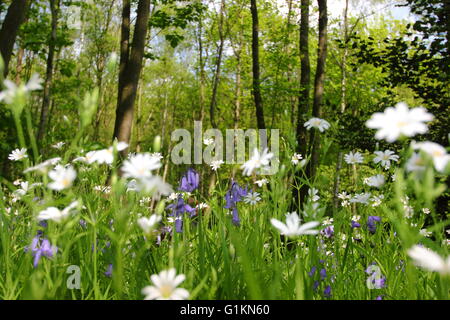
(323, 274)
(371, 223)
(83, 223)
(178, 210)
(109, 271)
(41, 247)
(232, 197)
(316, 285)
(328, 231)
(356, 224)
(327, 291)
(312, 272)
(190, 181)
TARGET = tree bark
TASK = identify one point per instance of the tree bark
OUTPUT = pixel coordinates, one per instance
(54, 8)
(212, 105)
(202, 79)
(255, 67)
(318, 86)
(303, 98)
(130, 68)
(337, 177)
(14, 18)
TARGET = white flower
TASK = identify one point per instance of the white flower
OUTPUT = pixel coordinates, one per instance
(436, 152)
(344, 196)
(425, 233)
(165, 287)
(256, 161)
(327, 221)
(318, 123)
(215, 164)
(361, 198)
(376, 200)
(154, 185)
(312, 193)
(62, 177)
(261, 182)
(104, 155)
(18, 154)
(385, 157)
(252, 198)
(201, 206)
(345, 203)
(22, 191)
(157, 155)
(34, 83)
(429, 260)
(352, 158)
(293, 227)
(295, 159)
(375, 181)
(426, 210)
(173, 196)
(53, 213)
(140, 166)
(148, 224)
(103, 189)
(208, 142)
(399, 121)
(416, 163)
(43, 166)
(12, 90)
(58, 145)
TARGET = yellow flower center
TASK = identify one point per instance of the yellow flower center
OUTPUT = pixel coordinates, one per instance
(437, 153)
(166, 291)
(401, 124)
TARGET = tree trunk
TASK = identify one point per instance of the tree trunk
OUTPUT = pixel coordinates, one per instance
(130, 68)
(201, 98)
(337, 177)
(54, 7)
(10, 27)
(212, 105)
(318, 86)
(255, 66)
(303, 99)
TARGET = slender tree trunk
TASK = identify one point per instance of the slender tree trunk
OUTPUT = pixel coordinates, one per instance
(212, 105)
(255, 66)
(19, 66)
(201, 98)
(14, 18)
(303, 99)
(287, 42)
(130, 69)
(100, 68)
(318, 86)
(54, 7)
(124, 47)
(337, 177)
